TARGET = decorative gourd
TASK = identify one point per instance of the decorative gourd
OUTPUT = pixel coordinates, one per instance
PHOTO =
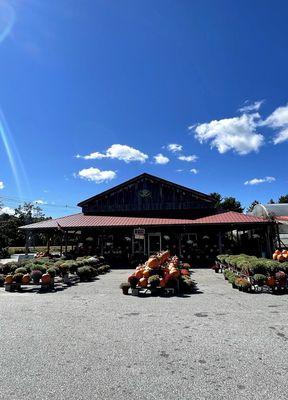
(26, 279)
(143, 282)
(9, 279)
(153, 262)
(46, 278)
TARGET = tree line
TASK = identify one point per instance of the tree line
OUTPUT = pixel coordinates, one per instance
(10, 235)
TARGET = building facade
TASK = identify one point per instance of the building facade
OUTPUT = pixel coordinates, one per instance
(147, 214)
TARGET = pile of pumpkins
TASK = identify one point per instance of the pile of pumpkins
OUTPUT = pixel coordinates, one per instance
(25, 279)
(280, 255)
(161, 264)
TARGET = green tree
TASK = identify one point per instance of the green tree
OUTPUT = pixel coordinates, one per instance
(231, 204)
(271, 201)
(226, 203)
(283, 199)
(252, 205)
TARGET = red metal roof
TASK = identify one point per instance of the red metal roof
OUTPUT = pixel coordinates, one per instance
(94, 221)
(282, 218)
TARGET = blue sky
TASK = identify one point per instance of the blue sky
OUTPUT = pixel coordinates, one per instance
(92, 91)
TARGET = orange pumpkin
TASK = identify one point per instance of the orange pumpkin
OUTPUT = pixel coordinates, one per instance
(271, 281)
(174, 272)
(146, 273)
(162, 282)
(143, 282)
(26, 279)
(46, 278)
(280, 257)
(139, 273)
(277, 252)
(153, 262)
(185, 272)
(284, 252)
(275, 256)
(9, 279)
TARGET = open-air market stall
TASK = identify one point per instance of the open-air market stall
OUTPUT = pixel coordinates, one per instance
(128, 223)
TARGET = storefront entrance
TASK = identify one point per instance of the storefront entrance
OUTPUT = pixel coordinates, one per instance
(154, 243)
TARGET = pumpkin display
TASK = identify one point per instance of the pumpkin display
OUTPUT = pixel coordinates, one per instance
(161, 271)
(26, 279)
(46, 279)
(9, 279)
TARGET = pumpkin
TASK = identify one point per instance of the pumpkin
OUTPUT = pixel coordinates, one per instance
(153, 262)
(271, 281)
(174, 272)
(143, 282)
(275, 256)
(280, 258)
(46, 278)
(277, 252)
(26, 279)
(146, 272)
(185, 272)
(9, 279)
(139, 273)
(284, 252)
(162, 282)
(164, 256)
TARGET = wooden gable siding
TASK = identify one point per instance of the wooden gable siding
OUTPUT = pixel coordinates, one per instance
(146, 195)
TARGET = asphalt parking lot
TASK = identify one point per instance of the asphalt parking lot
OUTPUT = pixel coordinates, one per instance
(92, 342)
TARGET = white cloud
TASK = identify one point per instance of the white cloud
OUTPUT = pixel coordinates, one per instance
(237, 134)
(39, 202)
(174, 147)
(251, 107)
(7, 210)
(2, 185)
(279, 120)
(194, 171)
(160, 159)
(179, 170)
(96, 175)
(119, 152)
(257, 181)
(191, 158)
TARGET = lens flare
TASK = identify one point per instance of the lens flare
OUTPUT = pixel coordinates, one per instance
(7, 19)
(14, 158)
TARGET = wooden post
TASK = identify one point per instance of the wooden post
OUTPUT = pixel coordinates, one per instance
(66, 239)
(48, 243)
(27, 234)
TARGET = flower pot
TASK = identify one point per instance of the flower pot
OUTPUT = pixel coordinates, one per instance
(125, 290)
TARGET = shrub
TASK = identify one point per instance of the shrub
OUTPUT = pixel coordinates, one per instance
(37, 267)
(231, 278)
(2, 280)
(52, 272)
(21, 270)
(36, 275)
(154, 281)
(17, 278)
(85, 273)
(259, 279)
